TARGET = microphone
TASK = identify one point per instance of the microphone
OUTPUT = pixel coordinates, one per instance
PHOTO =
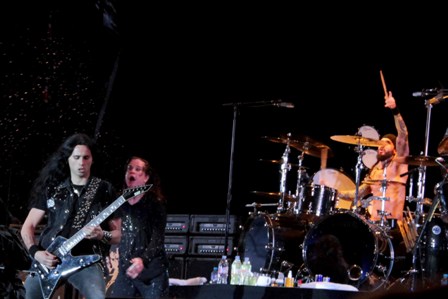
(275, 103)
(426, 93)
(284, 105)
(438, 95)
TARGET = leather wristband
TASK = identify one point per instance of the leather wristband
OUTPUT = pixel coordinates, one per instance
(395, 111)
(33, 249)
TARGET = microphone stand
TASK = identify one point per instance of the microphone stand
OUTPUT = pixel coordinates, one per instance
(229, 188)
(232, 150)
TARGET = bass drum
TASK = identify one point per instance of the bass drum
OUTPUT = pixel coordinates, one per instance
(349, 250)
(336, 180)
(273, 242)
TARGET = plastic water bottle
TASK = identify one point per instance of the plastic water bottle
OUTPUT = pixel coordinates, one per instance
(214, 276)
(246, 271)
(235, 272)
(223, 270)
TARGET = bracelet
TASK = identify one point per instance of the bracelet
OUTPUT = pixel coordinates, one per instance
(395, 111)
(107, 236)
(33, 249)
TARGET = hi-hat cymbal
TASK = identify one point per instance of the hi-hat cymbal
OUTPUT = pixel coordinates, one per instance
(380, 182)
(303, 143)
(275, 195)
(358, 140)
(417, 160)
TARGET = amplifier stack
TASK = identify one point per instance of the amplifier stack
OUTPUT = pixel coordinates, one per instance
(195, 243)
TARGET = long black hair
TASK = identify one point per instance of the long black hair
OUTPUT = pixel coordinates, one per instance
(56, 169)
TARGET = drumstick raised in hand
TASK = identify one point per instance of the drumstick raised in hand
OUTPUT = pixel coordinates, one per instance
(383, 82)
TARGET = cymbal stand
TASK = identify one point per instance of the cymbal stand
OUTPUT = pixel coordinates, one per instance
(284, 168)
(422, 169)
(359, 168)
(420, 194)
(382, 212)
(300, 188)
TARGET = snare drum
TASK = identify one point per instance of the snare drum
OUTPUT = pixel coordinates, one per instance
(337, 181)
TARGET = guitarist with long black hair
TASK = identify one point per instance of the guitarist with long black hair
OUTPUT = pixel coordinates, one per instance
(69, 199)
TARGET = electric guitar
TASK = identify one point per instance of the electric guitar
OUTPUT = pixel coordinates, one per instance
(61, 247)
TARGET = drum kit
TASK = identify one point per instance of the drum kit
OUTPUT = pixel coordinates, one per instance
(371, 253)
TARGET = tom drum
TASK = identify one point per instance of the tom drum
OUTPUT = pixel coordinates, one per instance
(336, 180)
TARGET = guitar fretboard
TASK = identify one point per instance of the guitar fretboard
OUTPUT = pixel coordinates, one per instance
(76, 238)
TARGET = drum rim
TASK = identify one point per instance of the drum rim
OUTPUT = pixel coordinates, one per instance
(375, 252)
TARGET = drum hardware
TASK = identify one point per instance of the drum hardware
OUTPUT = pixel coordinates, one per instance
(338, 181)
(257, 205)
(303, 144)
(360, 142)
(300, 186)
(383, 198)
(272, 240)
(284, 168)
(408, 230)
(358, 168)
(366, 253)
(412, 273)
(290, 165)
(422, 162)
(442, 148)
(286, 266)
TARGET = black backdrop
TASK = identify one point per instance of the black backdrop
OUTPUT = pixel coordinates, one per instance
(155, 84)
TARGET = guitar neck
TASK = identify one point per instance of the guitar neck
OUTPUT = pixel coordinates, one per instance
(76, 238)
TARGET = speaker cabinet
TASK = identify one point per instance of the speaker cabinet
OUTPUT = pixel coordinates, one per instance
(200, 266)
(176, 267)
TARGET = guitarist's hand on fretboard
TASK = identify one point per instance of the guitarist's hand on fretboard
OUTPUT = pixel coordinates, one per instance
(93, 232)
(46, 259)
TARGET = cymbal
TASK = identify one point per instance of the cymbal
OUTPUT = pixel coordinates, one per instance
(417, 160)
(380, 182)
(358, 140)
(280, 162)
(302, 143)
(275, 195)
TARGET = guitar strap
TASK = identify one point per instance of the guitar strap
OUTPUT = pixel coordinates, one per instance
(84, 208)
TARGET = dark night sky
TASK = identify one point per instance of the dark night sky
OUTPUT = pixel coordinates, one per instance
(178, 66)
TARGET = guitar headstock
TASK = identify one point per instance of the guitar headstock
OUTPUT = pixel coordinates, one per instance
(132, 192)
